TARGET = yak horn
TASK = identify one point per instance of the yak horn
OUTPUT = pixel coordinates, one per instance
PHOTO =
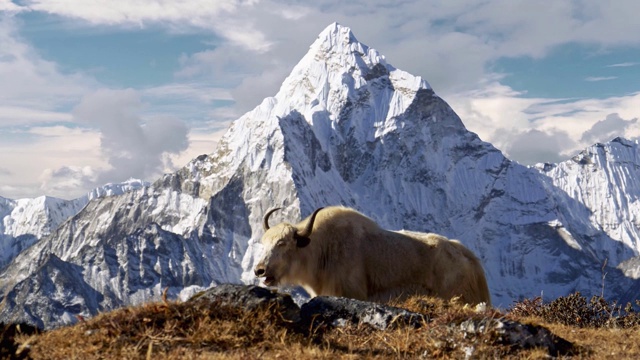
(265, 219)
(307, 230)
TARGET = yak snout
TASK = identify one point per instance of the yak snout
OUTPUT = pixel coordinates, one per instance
(260, 271)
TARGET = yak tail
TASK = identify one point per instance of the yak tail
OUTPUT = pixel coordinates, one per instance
(483, 288)
(474, 289)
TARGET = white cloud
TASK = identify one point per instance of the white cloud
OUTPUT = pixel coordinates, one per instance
(37, 160)
(191, 102)
(599, 78)
(201, 141)
(136, 12)
(133, 146)
(68, 180)
(9, 7)
(532, 130)
(450, 44)
(189, 92)
(28, 153)
(493, 107)
(624, 64)
(19, 115)
(221, 16)
(455, 38)
(532, 146)
(33, 96)
(610, 127)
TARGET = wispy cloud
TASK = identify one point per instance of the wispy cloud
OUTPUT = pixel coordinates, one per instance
(9, 6)
(224, 17)
(189, 91)
(624, 64)
(29, 81)
(600, 78)
(30, 152)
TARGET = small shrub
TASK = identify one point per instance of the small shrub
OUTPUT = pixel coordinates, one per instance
(575, 310)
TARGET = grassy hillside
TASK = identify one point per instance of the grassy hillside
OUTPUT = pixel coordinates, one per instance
(204, 330)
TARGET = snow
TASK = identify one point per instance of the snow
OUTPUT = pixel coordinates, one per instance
(24, 221)
(605, 179)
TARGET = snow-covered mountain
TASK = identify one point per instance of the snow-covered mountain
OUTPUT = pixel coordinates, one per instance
(605, 179)
(113, 189)
(24, 221)
(345, 128)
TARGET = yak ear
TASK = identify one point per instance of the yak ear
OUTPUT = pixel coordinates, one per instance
(302, 241)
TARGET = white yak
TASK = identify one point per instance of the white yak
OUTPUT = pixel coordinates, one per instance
(337, 251)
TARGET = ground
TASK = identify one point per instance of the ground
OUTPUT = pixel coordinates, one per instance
(569, 327)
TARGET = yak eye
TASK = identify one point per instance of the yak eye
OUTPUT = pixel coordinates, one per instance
(280, 243)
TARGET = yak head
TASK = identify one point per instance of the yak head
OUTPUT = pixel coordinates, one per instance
(283, 245)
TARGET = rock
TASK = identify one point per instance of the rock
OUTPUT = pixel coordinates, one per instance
(319, 311)
(519, 335)
(335, 311)
(250, 297)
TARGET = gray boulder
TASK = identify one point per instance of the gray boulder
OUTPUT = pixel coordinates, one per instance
(519, 335)
(336, 311)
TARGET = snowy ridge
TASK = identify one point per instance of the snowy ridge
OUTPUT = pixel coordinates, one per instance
(605, 178)
(344, 128)
(24, 221)
(113, 189)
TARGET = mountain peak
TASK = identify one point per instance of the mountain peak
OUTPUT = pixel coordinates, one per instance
(338, 69)
(334, 35)
(337, 45)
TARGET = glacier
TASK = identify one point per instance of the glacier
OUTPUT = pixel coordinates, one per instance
(345, 127)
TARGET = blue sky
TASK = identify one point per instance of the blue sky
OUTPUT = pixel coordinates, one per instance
(574, 71)
(117, 57)
(100, 91)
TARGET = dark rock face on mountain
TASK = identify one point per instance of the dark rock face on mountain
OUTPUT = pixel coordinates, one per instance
(345, 128)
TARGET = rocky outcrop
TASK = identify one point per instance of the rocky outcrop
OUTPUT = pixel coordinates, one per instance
(335, 311)
(324, 312)
(518, 335)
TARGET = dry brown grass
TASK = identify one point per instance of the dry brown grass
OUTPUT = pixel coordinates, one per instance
(601, 343)
(171, 330)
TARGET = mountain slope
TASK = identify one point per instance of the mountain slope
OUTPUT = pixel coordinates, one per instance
(345, 128)
(605, 178)
(24, 221)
